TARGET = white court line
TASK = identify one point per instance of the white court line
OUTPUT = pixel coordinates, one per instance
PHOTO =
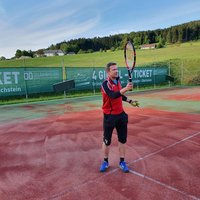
(164, 148)
(76, 187)
(158, 182)
(164, 185)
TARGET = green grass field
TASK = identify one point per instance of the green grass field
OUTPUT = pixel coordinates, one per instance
(187, 52)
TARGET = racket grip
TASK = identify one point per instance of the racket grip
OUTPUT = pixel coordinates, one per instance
(130, 76)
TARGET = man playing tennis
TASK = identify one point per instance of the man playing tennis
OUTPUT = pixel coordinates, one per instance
(114, 115)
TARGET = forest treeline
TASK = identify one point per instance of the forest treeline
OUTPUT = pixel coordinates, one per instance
(180, 33)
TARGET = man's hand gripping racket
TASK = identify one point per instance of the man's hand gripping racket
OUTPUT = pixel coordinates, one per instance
(130, 60)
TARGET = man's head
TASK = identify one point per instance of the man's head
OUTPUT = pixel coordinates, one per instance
(112, 70)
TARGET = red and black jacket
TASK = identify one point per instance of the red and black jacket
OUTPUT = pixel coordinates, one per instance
(112, 98)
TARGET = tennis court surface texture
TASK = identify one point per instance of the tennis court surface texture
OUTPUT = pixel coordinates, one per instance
(52, 150)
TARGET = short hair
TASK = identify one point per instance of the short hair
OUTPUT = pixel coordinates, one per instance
(110, 64)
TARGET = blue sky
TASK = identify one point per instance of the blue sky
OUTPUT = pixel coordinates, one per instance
(35, 24)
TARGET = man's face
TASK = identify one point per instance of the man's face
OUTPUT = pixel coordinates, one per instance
(113, 72)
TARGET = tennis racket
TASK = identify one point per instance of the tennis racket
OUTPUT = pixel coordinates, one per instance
(130, 58)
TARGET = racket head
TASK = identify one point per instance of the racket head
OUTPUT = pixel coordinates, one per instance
(130, 56)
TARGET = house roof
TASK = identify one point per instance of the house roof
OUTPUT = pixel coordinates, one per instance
(148, 45)
(53, 51)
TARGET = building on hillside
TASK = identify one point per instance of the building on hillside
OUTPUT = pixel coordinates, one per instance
(53, 53)
(71, 53)
(148, 46)
(24, 57)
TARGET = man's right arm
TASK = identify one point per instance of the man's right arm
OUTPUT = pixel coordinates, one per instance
(128, 87)
(117, 94)
(109, 92)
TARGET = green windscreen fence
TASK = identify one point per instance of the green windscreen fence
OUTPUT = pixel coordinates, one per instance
(29, 80)
(90, 78)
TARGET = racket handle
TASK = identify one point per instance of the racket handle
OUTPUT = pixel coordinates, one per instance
(130, 76)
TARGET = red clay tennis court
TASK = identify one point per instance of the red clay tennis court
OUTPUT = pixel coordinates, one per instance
(52, 150)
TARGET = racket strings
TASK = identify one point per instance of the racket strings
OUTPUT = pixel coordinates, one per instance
(130, 55)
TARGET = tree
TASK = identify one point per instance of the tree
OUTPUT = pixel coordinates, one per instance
(40, 52)
(18, 53)
(124, 41)
(174, 35)
(52, 47)
(90, 51)
(80, 51)
(146, 40)
(2, 58)
(73, 48)
(184, 32)
(65, 47)
(112, 49)
(169, 36)
(137, 41)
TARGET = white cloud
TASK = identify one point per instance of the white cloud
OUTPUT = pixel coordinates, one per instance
(40, 31)
(37, 24)
(34, 39)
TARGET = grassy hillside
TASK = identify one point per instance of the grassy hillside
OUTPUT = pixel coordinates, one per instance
(188, 52)
(183, 59)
